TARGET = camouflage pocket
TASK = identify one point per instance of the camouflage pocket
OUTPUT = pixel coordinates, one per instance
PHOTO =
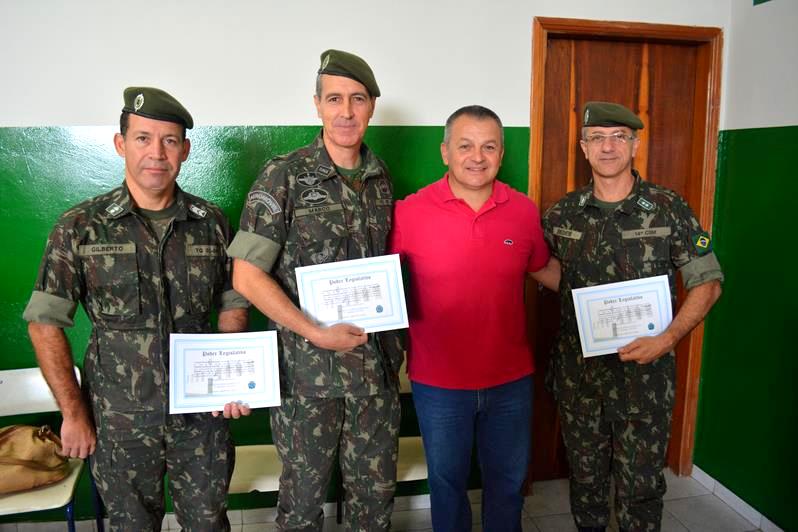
(644, 257)
(323, 238)
(650, 387)
(205, 267)
(112, 281)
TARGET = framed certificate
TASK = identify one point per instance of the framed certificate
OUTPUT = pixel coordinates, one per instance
(610, 316)
(207, 371)
(365, 292)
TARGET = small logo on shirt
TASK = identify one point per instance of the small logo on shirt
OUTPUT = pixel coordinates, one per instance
(201, 213)
(314, 196)
(508, 242)
(308, 179)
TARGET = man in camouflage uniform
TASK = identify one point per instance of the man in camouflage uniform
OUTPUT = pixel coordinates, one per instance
(616, 409)
(145, 260)
(326, 202)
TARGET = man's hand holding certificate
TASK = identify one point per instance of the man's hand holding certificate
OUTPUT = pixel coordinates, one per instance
(364, 292)
(207, 371)
(611, 316)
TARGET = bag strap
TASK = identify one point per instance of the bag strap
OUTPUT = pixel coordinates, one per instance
(43, 433)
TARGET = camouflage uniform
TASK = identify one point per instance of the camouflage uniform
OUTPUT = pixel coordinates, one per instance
(299, 212)
(136, 289)
(616, 416)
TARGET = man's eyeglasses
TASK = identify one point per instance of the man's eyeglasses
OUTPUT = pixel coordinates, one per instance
(597, 139)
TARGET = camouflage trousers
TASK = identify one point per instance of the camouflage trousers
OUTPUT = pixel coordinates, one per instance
(362, 432)
(197, 452)
(631, 451)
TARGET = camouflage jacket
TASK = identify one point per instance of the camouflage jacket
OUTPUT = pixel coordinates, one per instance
(299, 212)
(652, 232)
(135, 290)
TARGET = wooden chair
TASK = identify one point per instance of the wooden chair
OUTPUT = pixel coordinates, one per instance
(24, 391)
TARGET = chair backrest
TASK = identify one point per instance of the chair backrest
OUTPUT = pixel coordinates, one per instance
(24, 391)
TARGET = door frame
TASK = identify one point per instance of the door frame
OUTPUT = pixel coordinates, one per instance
(710, 43)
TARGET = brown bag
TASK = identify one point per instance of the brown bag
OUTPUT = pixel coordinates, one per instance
(29, 458)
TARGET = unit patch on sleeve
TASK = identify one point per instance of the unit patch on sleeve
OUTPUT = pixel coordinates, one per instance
(266, 200)
(702, 243)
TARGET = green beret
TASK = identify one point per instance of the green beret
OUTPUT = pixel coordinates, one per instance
(338, 63)
(156, 104)
(609, 114)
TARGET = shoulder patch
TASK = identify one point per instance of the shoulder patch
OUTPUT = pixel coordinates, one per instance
(645, 204)
(702, 243)
(265, 199)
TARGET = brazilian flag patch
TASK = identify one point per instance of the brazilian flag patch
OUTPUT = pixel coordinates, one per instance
(702, 243)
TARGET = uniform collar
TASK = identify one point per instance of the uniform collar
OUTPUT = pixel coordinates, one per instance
(121, 204)
(326, 168)
(636, 200)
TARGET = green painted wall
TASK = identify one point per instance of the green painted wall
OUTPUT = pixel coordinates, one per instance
(747, 409)
(44, 171)
(747, 428)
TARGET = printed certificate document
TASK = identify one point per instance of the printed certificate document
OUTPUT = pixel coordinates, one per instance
(207, 371)
(610, 316)
(365, 292)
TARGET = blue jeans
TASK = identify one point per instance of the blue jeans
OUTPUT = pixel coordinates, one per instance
(500, 419)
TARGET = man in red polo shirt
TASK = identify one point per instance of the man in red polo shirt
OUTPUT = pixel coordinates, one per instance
(468, 242)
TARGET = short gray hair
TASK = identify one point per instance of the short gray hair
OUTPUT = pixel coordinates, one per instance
(318, 85)
(474, 111)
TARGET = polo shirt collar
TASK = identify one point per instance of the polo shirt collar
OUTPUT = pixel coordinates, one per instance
(498, 195)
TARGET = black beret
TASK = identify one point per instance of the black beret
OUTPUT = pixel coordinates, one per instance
(154, 103)
(609, 114)
(338, 63)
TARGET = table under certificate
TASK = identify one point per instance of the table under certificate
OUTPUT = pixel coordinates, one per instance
(611, 315)
(207, 371)
(365, 292)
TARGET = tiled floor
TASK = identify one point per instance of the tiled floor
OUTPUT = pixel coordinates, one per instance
(689, 506)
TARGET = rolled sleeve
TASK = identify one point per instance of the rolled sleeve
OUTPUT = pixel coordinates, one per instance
(255, 249)
(701, 270)
(232, 300)
(50, 310)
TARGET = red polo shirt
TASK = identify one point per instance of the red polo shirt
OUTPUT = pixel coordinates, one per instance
(467, 271)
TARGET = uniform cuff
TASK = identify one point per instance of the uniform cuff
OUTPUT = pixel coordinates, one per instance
(701, 270)
(232, 299)
(50, 310)
(255, 249)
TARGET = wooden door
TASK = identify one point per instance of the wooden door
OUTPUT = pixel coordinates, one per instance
(670, 76)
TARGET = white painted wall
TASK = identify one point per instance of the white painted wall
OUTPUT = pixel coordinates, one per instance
(244, 62)
(762, 65)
